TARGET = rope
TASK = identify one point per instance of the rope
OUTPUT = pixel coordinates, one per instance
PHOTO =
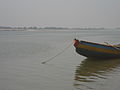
(57, 54)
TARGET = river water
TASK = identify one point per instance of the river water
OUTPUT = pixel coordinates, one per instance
(22, 54)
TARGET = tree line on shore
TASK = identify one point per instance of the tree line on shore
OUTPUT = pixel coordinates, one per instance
(7, 27)
(64, 28)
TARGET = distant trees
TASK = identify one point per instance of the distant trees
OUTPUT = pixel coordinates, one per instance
(4, 27)
(59, 28)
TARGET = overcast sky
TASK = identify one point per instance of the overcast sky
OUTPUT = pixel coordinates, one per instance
(65, 13)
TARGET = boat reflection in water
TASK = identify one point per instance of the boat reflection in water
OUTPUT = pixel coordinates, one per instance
(92, 71)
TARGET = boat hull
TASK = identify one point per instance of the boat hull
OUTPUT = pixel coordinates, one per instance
(94, 50)
(95, 54)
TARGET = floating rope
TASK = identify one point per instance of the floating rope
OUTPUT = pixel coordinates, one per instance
(57, 54)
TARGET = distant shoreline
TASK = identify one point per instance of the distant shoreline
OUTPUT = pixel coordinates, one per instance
(44, 29)
(12, 29)
(49, 28)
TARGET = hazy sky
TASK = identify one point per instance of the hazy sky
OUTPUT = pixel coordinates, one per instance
(66, 13)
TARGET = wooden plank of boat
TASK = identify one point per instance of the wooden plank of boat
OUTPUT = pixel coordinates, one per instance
(95, 50)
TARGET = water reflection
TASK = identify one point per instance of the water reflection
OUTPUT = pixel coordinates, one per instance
(90, 71)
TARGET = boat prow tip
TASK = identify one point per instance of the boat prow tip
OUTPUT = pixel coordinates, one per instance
(76, 42)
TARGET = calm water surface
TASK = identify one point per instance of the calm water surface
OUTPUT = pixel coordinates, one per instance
(21, 54)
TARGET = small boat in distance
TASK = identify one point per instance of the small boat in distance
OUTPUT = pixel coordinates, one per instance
(95, 50)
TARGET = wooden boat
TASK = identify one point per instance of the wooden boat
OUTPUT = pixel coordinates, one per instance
(95, 50)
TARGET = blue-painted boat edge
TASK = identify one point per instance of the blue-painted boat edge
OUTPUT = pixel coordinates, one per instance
(93, 53)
